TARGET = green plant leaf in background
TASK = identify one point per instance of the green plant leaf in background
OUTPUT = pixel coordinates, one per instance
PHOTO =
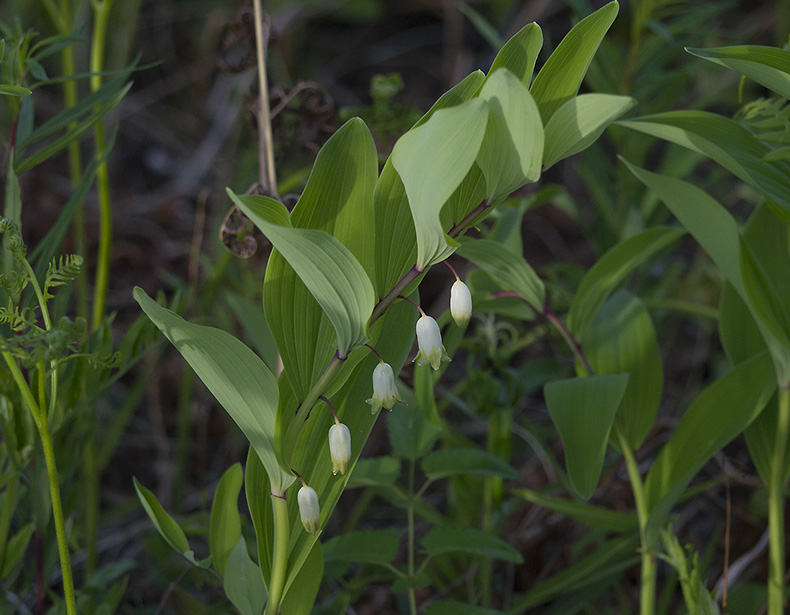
(449, 539)
(611, 269)
(243, 582)
(717, 232)
(14, 90)
(562, 74)
(363, 546)
(604, 565)
(730, 144)
(596, 517)
(768, 66)
(225, 526)
(432, 160)
(520, 53)
(721, 412)
(579, 122)
(374, 472)
(507, 267)
(234, 374)
(583, 411)
(449, 461)
(165, 524)
(621, 339)
(512, 149)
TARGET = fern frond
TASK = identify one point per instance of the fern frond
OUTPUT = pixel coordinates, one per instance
(17, 319)
(61, 271)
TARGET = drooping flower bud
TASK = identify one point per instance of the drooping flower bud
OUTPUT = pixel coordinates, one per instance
(339, 447)
(385, 391)
(309, 509)
(429, 341)
(460, 303)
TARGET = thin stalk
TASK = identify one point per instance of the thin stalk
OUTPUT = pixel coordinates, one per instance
(280, 554)
(57, 516)
(320, 385)
(91, 469)
(40, 418)
(647, 595)
(8, 511)
(101, 12)
(776, 507)
(267, 175)
(62, 20)
(572, 342)
(410, 521)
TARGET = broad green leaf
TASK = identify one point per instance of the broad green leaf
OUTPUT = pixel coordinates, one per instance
(594, 516)
(740, 336)
(234, 374)
(257, 490)
(14, 90)
(242, 582)
(412, 435)
(763, 297)
(520, 53)
(164, 523)
(15, 549)
(511, 152)
(396, 240)
(447, 462)
(449, 539)
(424, 394)
(432, 160)
(363, 546)
(225, 526)
(452, 607)
(561, 76)
(717, 232)
(330, 271)
(608, 561)
(768, 66)
(374, 472)
(506, 267)
(583, 411)
(338, 201)
(579, 122)
(621, 339)
(728, 143)
(301, 597)
(761, 441)
(721, 412)
(611, 269)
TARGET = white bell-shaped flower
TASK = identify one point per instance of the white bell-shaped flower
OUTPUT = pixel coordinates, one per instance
(339, 447)
(309, 509)
(429, 341)
(460, 303)
(385, 391)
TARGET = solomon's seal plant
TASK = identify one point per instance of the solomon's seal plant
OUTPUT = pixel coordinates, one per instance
(354, 243)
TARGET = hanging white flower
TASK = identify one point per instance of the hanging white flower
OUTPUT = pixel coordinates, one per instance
(309, 509)
(339, 447)
(429, 341)
(460, 303)
(385, 391)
